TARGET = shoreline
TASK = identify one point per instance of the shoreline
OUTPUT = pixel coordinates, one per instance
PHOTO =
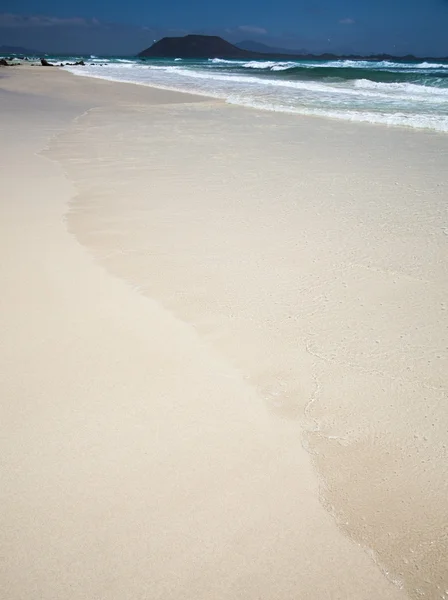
(162, 218)
(77, 72)
(249, 91)
(296, 114)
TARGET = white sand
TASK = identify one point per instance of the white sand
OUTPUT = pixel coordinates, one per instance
(239, 284)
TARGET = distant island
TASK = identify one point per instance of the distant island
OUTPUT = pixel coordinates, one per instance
(195, 46)
(212, 46)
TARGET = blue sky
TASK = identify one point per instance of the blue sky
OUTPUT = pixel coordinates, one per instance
(400, 26)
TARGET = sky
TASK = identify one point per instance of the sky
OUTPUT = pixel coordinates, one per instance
(399, 27)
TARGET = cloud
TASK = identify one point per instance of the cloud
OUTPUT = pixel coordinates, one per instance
(252, 29)
(347, 21)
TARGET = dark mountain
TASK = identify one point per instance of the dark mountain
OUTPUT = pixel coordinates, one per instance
(19, 50)
(212, 46)
(265, 49)
(195, 46)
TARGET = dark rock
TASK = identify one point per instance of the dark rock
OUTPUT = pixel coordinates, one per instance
(3, 63)
(45, 63)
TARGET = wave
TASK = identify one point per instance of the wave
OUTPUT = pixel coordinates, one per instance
(223, 61)
(353, 73)
(410, 89)
(384, 72)
(427, 65)
(370, 65)
(382, 64)
(387, 65)
(96, 60)
(365, 64)
(272, 65)
(359, 87)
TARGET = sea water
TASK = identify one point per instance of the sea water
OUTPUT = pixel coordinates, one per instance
(413, 94)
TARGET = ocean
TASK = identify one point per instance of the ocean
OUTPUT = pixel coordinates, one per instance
(411, 94)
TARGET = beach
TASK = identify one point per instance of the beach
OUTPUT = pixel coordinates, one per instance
(223, 346)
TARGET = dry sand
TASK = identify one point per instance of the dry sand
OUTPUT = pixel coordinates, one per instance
(223, 350)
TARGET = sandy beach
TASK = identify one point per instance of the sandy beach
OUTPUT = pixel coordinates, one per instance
(224, 349)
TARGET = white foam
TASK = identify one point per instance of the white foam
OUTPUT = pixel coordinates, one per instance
(427, 65)
(223, 61)
(346, 64)
(383, 65)
(408, 89)
(101, 61)
(255, 64)
(271, 65)
(358, 64)
(284, 66)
